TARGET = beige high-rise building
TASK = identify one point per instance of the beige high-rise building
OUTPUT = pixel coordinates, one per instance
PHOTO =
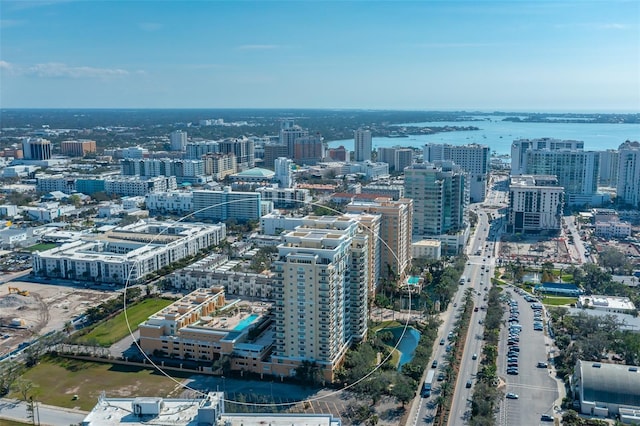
(321, 292)
(395, 232)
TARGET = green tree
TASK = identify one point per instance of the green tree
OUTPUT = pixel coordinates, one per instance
(403, 389)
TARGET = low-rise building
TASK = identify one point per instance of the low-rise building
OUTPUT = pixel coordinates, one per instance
(206, 410)
(173, 202)
(285, 198)
(613, 229)
(127, 254)
(607, 390)
(134, 185)
(427, 249)
(606, 303)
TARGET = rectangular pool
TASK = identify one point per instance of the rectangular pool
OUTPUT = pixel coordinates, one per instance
(246, 322)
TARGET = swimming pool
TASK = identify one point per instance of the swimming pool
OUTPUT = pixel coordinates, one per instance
(413, 280)
(246, 322)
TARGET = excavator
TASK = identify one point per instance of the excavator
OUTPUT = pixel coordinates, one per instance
(17, 290)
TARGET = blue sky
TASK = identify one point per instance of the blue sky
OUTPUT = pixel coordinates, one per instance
(485, 55)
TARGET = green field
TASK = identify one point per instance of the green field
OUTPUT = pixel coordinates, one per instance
(41, 247)
(4, 422)
(57, 380)
(110, 331)
(558, 300)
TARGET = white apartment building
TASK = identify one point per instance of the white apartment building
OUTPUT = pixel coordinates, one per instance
(535, 204)
(58, 182)
(134, 185)
(285, 198)
(473, 158)
(628, 188)
(427, 249)
(195, 150)
(234, 283)
(48, 212)
(320, 293)
(520, 147)
(608, 168)
(178, 140)
(613, 229)
(133, 152)
(173, 202)
(362, 145)
(127, 253)
(577, 172)
(227, 204)
(284, 172)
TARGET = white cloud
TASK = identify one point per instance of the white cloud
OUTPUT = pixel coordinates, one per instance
(259, 46)
(60, 70)
(4, 65)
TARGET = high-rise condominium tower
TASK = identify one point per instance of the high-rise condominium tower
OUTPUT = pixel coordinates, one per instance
(362, 145)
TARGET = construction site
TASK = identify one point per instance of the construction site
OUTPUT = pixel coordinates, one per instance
(28, 310)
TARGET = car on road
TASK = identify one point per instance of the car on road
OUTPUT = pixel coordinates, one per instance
(469, 383)
(511, 395)
(542, 364)
(434, 364)
(546, 418)
(441, 342)
(440, 377)
(474, 356)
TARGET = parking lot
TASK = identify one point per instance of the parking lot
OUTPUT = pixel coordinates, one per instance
(527, 372)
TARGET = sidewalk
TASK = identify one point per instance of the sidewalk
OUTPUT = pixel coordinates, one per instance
(48, 415)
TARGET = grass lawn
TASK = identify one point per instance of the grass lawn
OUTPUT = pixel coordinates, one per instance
(558, 300)
(386, 324)
(41, 247)
(110, 331)
(567, 278)
(58, 379)
(4, 422)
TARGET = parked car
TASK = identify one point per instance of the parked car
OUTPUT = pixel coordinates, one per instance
(511, 395)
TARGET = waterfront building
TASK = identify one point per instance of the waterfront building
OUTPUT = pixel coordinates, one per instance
(535, 204)
(362, 145)
(78, 148)
(338, 154)
(178, 140)
(577, 172)
(473, 158)
(628, 188)
(520, 147)
(397, 158)
(608, 168)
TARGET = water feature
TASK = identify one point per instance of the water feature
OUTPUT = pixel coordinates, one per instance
(246, 322)
(408, 344)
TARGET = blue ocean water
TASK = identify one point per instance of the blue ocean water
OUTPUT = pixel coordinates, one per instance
(499, 135)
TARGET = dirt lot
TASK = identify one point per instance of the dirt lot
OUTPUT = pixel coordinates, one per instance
(535, 249)
(46, 308)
